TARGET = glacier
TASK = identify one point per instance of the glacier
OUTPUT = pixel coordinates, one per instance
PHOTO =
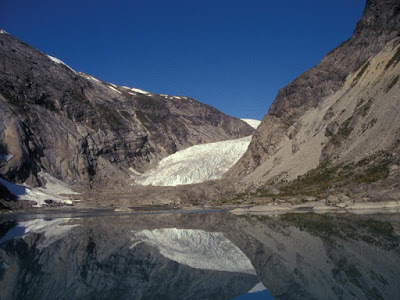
(198, 163)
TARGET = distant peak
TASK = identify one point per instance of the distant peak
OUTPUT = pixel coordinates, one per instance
(253, 123)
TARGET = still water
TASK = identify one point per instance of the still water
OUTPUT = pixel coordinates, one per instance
(201, 256)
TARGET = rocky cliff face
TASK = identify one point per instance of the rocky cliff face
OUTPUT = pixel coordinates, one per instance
(341, 111)
(85, 131)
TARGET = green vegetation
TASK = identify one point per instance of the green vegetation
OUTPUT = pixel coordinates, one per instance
(374, 170)
(317, 181)
(392, 83)
(345, 129)
(394, 60)
(371, 124)
(365, 108)
(343, 132)
(362, 71)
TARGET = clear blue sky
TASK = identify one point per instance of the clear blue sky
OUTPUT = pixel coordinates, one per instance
(233, 55)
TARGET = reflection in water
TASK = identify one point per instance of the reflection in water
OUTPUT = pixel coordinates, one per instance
(201, 256)
(197, 249)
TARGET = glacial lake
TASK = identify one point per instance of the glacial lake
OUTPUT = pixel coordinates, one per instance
(210, 255)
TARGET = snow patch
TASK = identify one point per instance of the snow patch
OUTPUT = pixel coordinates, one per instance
(53, 230)
(136, 90)
(53, 190)
(3, 31)
(196, 248)
(60, 62)
(253, 123)
(90, 77)
(135, 172)
(196, 164)
(139, 91)
(113, 88)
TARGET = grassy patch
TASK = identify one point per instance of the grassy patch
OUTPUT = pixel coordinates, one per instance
(365, 108)
(374, 172)
(345, 128)
(317, 181)
(394, 60)
(392, 83)
(343, 132)
(362, 71)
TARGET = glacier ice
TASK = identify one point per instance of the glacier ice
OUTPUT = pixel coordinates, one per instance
(198, 163)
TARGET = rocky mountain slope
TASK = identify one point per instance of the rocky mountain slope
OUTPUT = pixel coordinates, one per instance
(87, 132)
(342, 115)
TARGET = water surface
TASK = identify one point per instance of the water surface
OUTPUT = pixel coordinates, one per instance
(200, 256)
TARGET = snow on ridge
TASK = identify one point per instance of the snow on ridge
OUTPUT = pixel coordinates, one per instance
(139, 91)
(3, 31)
(136, 90)
(196, 164)
(198, 249)
(90, 77)
(112, 86)
(253, 123)
(60, 62)
(53, 190)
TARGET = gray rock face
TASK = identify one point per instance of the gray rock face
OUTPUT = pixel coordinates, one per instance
(82, 130)
(380, 24)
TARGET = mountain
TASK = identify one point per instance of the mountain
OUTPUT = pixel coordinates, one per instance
(86, 132)
(337, 124)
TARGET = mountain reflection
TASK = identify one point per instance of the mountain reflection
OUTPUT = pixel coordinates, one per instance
(201, 256)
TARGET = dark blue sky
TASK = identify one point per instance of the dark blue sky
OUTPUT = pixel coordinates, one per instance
(234, 55)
